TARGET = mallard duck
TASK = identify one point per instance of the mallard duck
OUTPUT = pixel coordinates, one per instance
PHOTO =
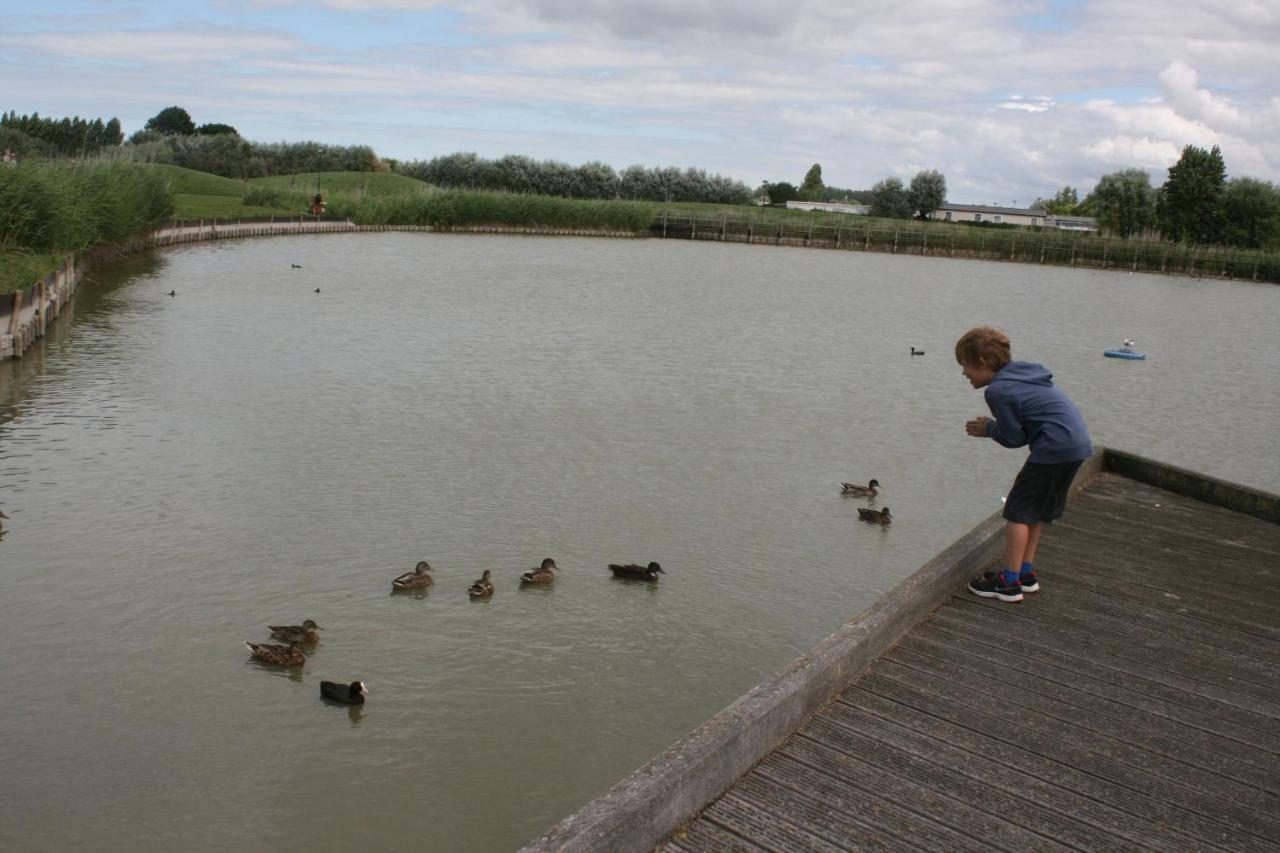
(290, 655)
(347, 694)
(2, 517)
(296, 266)
(915, 351)
(867, 491)
(304, 633)
(877, 516)
(545, 574)
(173, 293)
(631, 570)
(482, 588)
(419, 577)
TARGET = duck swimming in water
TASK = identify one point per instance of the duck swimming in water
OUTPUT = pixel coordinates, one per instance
(915, 351)
(416, 579)
(347, 694)
(545, 574)
(290, 655)
(875, 516)
(482, 588)
(304, 633)
(631, 570)
(867, 491)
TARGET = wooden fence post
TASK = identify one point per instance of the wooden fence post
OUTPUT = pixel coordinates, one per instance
(866, 242)
(664, 222)
(895, 241)
(1106, 244)
(837, 236)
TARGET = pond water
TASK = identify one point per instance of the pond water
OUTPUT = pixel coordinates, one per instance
(182, 471)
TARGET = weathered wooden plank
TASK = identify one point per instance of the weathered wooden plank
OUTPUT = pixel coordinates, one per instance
(1080, 748)
(1131, 564)
(1147, 653)
(1094, 580)
(1196, 554)
(1026, 755)
(816, 816)
(830, 777)
(703, 836)
(1199, 748)
(1009, 807)
(995, 770)
(1085, 602)
(1254, 732)
(965, 811)
(747, 819)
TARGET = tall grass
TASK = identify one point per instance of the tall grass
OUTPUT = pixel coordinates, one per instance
(69, 206)
(463, 209)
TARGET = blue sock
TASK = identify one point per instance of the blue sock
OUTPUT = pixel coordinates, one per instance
(1009, 576)
(1026, 569)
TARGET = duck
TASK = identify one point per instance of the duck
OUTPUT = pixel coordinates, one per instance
(876, 516)
(631, 570)
(416, 579)
(915, 351)
(304, 633)
(290, 655)
(347, 694)
(2, 520)
(173, 293)
(317, 290)
(482, 588)
(867, 491)
(296, 266)
(546, 573)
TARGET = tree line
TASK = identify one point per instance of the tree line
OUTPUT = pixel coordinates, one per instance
(1196, 203)
(39, 136)
(888, 199)
(519, 174)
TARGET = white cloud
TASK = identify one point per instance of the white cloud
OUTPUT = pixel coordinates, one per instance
(865, 89)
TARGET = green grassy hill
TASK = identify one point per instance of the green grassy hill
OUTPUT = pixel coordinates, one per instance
(190, 182)
(369, 183)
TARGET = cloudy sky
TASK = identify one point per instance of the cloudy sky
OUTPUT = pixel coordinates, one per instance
(1010, 100)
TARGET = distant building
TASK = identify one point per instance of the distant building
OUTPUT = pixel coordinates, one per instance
(1012, 216)
(830, 207)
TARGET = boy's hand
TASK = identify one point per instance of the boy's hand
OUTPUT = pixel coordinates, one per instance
(977, 427)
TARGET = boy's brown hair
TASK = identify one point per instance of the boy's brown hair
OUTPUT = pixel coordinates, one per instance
(985, 343)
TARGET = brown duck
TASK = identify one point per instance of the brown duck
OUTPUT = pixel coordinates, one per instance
(290, 655)
(875, 516)
(546, 573)
(482, 588)
(304, 633)
(631, 570)
(867, 491)
(416, 579)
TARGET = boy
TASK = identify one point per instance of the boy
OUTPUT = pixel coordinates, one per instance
(1028, 410)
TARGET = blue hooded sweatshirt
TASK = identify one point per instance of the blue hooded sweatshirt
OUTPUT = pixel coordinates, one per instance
(1029, 410)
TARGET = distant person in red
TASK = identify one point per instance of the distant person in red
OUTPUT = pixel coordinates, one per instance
(317, 205)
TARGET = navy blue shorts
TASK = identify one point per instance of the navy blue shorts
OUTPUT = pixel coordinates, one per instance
(1039, 492)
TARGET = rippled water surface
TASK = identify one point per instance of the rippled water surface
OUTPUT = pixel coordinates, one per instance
(182, 471)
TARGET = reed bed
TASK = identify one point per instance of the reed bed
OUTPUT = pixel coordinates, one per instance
(1024, 245)
(70, 206)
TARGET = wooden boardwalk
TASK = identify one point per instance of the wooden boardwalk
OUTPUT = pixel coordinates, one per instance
(1133, 703)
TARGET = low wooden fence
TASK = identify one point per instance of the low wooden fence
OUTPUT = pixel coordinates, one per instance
(25, 314)
(1038, 247)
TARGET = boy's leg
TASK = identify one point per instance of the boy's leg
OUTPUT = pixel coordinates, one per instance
(1016, 538)
(1026, 572)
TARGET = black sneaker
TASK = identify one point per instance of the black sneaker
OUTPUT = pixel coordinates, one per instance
(1029, 582)
(990, 585)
